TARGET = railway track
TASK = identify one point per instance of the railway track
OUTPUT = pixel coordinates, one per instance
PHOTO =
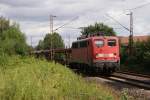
(130, 78)
(137, 80)
(135, 74)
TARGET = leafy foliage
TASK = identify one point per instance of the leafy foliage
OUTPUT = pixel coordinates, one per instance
(4, 24)
(51, 40)
(12, 40)
(141, 54)
(98, 28)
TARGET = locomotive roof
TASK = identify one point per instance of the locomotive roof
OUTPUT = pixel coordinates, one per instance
(97, 37)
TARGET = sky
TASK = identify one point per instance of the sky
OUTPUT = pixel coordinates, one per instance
(33, 16)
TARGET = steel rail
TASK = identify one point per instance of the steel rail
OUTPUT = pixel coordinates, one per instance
(134, 74)
(128, 80)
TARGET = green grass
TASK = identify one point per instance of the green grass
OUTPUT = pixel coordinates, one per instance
(27, 78)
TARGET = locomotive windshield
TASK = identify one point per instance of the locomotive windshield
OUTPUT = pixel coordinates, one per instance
(99, 43)
(112, 42)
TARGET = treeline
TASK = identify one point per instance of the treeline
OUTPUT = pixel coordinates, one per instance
(51, 41)
(98, 28)
(12, 40)
(141, 54)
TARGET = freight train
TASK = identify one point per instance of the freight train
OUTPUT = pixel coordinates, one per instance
(98, 53)
(90, 53)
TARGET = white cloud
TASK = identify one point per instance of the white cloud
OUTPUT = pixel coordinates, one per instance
(33, 15)
(20, 3)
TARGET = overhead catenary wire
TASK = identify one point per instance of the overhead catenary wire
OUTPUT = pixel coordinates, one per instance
(134, 8)
(66, 23)
(123, 13)
(71, 28)
(118, 22)
(139, 6)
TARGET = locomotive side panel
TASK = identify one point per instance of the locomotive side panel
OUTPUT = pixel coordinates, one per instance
(90, 53)
(81, 52)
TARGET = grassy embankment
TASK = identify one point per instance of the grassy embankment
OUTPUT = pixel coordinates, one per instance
(24, 78)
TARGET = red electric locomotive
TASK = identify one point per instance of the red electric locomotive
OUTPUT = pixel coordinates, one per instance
(100, 53)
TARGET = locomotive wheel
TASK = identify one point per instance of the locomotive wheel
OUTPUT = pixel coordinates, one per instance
(109, 71)
(106, 71)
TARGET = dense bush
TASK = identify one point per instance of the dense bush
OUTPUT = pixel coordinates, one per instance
(12, 40)
(141, 54)
(147, 57)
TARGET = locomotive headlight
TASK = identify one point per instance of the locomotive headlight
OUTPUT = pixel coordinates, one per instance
(111, 55)
(99, 55)
(105, 55)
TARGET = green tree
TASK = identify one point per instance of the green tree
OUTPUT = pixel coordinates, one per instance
(51, 40)
(144, 52)
(98, 28)
(40, 45)
(141, 54)
(12, 40)
(4, 24)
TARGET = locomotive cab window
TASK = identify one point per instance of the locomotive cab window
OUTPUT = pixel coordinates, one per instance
(99, 43)
(75, 45)
(112, 42)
